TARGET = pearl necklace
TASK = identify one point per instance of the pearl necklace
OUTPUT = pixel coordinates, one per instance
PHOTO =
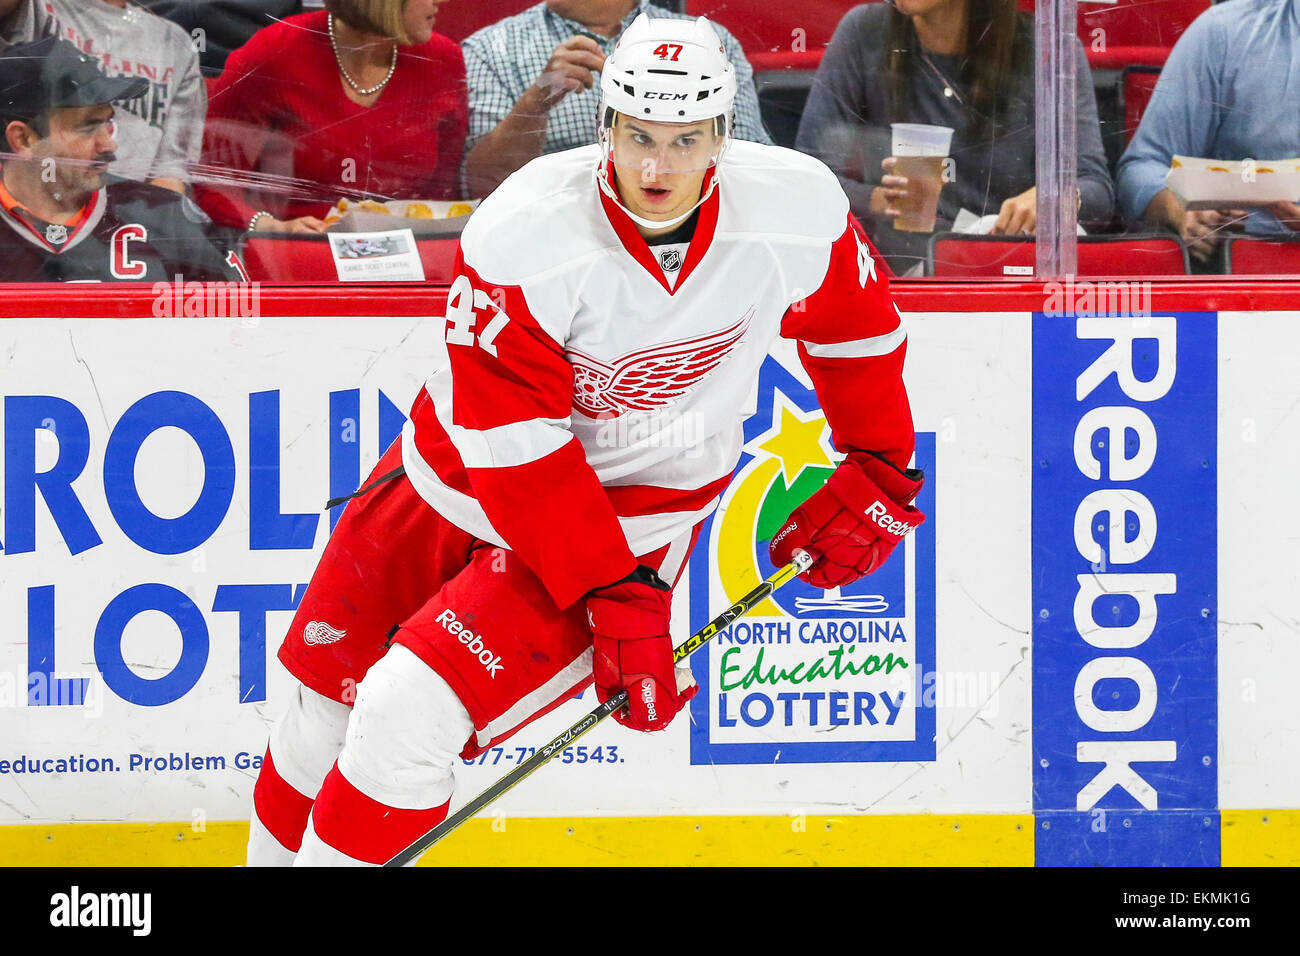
(344, 70)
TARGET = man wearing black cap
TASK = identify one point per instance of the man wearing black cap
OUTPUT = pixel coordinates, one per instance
(64, 221)
(160, 134)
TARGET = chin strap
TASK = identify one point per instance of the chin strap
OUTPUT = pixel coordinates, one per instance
(608, 188)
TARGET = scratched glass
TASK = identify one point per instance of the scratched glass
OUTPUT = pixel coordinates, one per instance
(286, 127)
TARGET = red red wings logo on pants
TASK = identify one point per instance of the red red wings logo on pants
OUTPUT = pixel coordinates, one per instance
(652, 378)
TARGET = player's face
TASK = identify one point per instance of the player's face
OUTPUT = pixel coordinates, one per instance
(659, 167)
(418, 18)
(80, 145)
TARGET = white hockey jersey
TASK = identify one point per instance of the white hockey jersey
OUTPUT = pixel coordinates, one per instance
(587, 410)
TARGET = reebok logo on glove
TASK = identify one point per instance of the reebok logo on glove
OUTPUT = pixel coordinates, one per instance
(789, 529)
(880, 514)
(472, 642)
(632, 651)
(852, 523)
(648, 698)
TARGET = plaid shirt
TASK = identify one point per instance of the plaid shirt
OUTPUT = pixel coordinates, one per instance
(503, 60)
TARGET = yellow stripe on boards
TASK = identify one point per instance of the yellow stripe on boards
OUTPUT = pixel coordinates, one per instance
(124, 844)
(911, 840)
(1260, 837)
(1249, 838)
(902, 840)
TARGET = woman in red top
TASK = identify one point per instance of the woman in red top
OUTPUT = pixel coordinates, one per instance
(362, 98)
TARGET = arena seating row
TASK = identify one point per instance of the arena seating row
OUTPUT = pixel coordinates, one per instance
(958, 256)
(1132, 31)
(952, 256)
(1114, 35)
(1126, 43)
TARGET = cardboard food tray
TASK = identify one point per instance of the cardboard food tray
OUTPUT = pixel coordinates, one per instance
(1202, 183)
(356, 221)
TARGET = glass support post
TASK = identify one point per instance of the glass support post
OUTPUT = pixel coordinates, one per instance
(1056, 136)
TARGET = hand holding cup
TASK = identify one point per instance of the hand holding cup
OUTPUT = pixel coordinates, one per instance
(919, 154)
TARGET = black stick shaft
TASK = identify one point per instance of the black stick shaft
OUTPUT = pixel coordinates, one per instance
(552, 749)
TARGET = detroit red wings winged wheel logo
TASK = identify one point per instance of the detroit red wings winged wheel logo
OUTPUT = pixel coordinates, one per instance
(652, 378)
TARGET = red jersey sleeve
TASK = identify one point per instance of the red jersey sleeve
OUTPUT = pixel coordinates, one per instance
(852, 343)
(512, 395)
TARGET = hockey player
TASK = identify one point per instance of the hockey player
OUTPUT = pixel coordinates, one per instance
(611, 309)
(62, 220)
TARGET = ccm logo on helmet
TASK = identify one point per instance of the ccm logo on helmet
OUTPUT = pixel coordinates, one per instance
(880, 514)
(472, 641)
(664, 96)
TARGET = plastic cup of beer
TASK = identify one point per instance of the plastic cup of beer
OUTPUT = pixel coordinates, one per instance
(920, 151)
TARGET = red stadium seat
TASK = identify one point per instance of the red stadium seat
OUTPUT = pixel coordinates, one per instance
(459, 20)
(1136, 84)
(1246, 256)
(765, 27)
(787, 60)
(307, 259)
(1131, 31)
(956, 255)
(1136, 23)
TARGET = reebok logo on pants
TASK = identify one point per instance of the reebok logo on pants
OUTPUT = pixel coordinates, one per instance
(472, 641)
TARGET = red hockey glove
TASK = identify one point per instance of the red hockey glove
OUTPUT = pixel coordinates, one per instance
(633, 652)
(852, 523)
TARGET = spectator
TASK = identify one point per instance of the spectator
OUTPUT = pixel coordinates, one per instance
(161, 132)
(964, 64)
(56, 111)
(533, 89)
(360, 99)
(225, 25)
(1227, 91)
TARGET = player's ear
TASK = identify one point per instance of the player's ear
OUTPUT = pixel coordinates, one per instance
(20, 137)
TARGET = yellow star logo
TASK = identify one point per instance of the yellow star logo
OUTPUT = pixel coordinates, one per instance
(797, 442)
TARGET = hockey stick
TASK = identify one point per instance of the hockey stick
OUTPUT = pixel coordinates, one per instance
(802, 561)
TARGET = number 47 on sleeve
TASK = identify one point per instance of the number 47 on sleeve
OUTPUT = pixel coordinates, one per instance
(464, 303)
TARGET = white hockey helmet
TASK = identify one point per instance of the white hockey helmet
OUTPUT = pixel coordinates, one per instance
(666, 70)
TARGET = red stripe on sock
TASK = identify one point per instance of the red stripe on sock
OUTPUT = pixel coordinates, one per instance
(281, 808)
(366, 829)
